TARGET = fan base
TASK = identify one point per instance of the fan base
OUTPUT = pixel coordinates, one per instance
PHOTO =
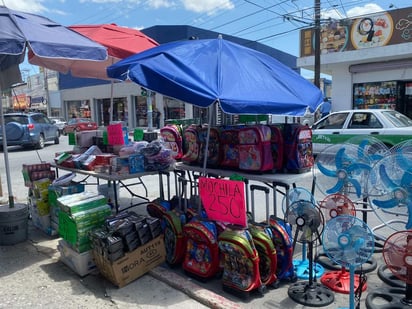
(369, 266)
(392, 298)
(312, 295)
(302, 269)
(387, 276)
(339, 281)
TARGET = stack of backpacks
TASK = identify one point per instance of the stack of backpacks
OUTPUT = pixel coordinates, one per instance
(246, 259)
(249, 148)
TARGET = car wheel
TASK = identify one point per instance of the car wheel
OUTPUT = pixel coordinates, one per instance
(40, 144)
(57, 138)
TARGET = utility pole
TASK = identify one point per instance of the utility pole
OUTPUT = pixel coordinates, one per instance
(317, 44)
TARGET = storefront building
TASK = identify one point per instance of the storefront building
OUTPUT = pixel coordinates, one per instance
(369, 59)
(91, 98)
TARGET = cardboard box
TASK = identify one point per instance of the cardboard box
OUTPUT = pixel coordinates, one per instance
(81, 263)
(134, 264)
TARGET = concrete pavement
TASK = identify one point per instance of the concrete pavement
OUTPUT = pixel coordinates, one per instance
(32, 275)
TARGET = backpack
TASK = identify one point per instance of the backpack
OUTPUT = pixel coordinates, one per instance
(261, 235)
(229, 142)
(172, 136)
(255, 152)
(282, 239)
(298, 147)
(213, 153)
(202, 258)
(192, 144)
(240, 262)
(277, 145)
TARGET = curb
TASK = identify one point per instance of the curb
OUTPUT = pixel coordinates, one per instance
(198, 293)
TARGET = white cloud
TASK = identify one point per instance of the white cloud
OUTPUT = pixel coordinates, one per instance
(32, 6)
(363, 10)
(201, 6)
(156, 4)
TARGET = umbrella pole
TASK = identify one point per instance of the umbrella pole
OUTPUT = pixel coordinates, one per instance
(6, 156)
(149, 111)
(111, 102)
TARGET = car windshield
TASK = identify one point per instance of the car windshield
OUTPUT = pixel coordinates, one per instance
(397, 119)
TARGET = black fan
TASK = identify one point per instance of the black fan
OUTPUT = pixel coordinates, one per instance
(307, 225)
(301, 266)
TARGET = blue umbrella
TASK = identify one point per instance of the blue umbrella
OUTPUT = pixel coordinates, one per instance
(202, 72)
(50, 44)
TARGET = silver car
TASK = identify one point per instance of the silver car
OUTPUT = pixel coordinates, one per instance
(60, 122)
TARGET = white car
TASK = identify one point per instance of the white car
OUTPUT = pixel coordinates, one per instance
(389, 126)
(60, 122)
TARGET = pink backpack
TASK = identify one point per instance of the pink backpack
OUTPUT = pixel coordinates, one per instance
(255, 153)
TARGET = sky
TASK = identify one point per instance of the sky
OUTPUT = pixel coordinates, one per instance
(275, 23)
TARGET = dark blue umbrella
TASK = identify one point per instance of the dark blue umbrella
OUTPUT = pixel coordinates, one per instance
(48, 43)
(202, 72)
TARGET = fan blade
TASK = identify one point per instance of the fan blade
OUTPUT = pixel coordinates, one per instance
(385, 178)
(358, 166)
(339, 158)
(356, 185)
(401, 160)
(406, 180)
(361, 149)
(386, 204)
(326, 171)
(338, 186)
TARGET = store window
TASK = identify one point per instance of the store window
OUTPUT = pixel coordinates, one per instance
(120, 111)
(79, 109)
(174, 109)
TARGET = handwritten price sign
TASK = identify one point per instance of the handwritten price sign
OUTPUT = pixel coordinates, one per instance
(223, 200)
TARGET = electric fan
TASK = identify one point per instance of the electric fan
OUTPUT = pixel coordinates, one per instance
(397, 253)
(337, 280)
(369, 147)
(348, 241)
(302, 266)
(390, 192)
(390, 195)
(342, 168)
(307, 223)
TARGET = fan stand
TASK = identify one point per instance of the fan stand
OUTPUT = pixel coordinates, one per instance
(310, 293)
(395, 297)
(340, 281)
(302, 266)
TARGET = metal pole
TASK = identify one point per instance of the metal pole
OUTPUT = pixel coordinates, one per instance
(6, 156)
(149, 111)
(317, 44)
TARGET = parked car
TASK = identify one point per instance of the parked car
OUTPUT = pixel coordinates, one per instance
(29, 130)
(389, 126)
(79, 124)
(60, 122)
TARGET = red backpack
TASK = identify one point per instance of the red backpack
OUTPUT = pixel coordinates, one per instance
(255, 152)
(172, 137)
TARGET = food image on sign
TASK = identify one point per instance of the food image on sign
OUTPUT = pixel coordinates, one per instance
(372, 31)
(333, 38)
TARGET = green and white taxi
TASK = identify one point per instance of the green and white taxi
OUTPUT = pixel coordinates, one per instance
(389, 126)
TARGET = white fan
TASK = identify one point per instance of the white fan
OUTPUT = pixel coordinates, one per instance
(349, 242)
